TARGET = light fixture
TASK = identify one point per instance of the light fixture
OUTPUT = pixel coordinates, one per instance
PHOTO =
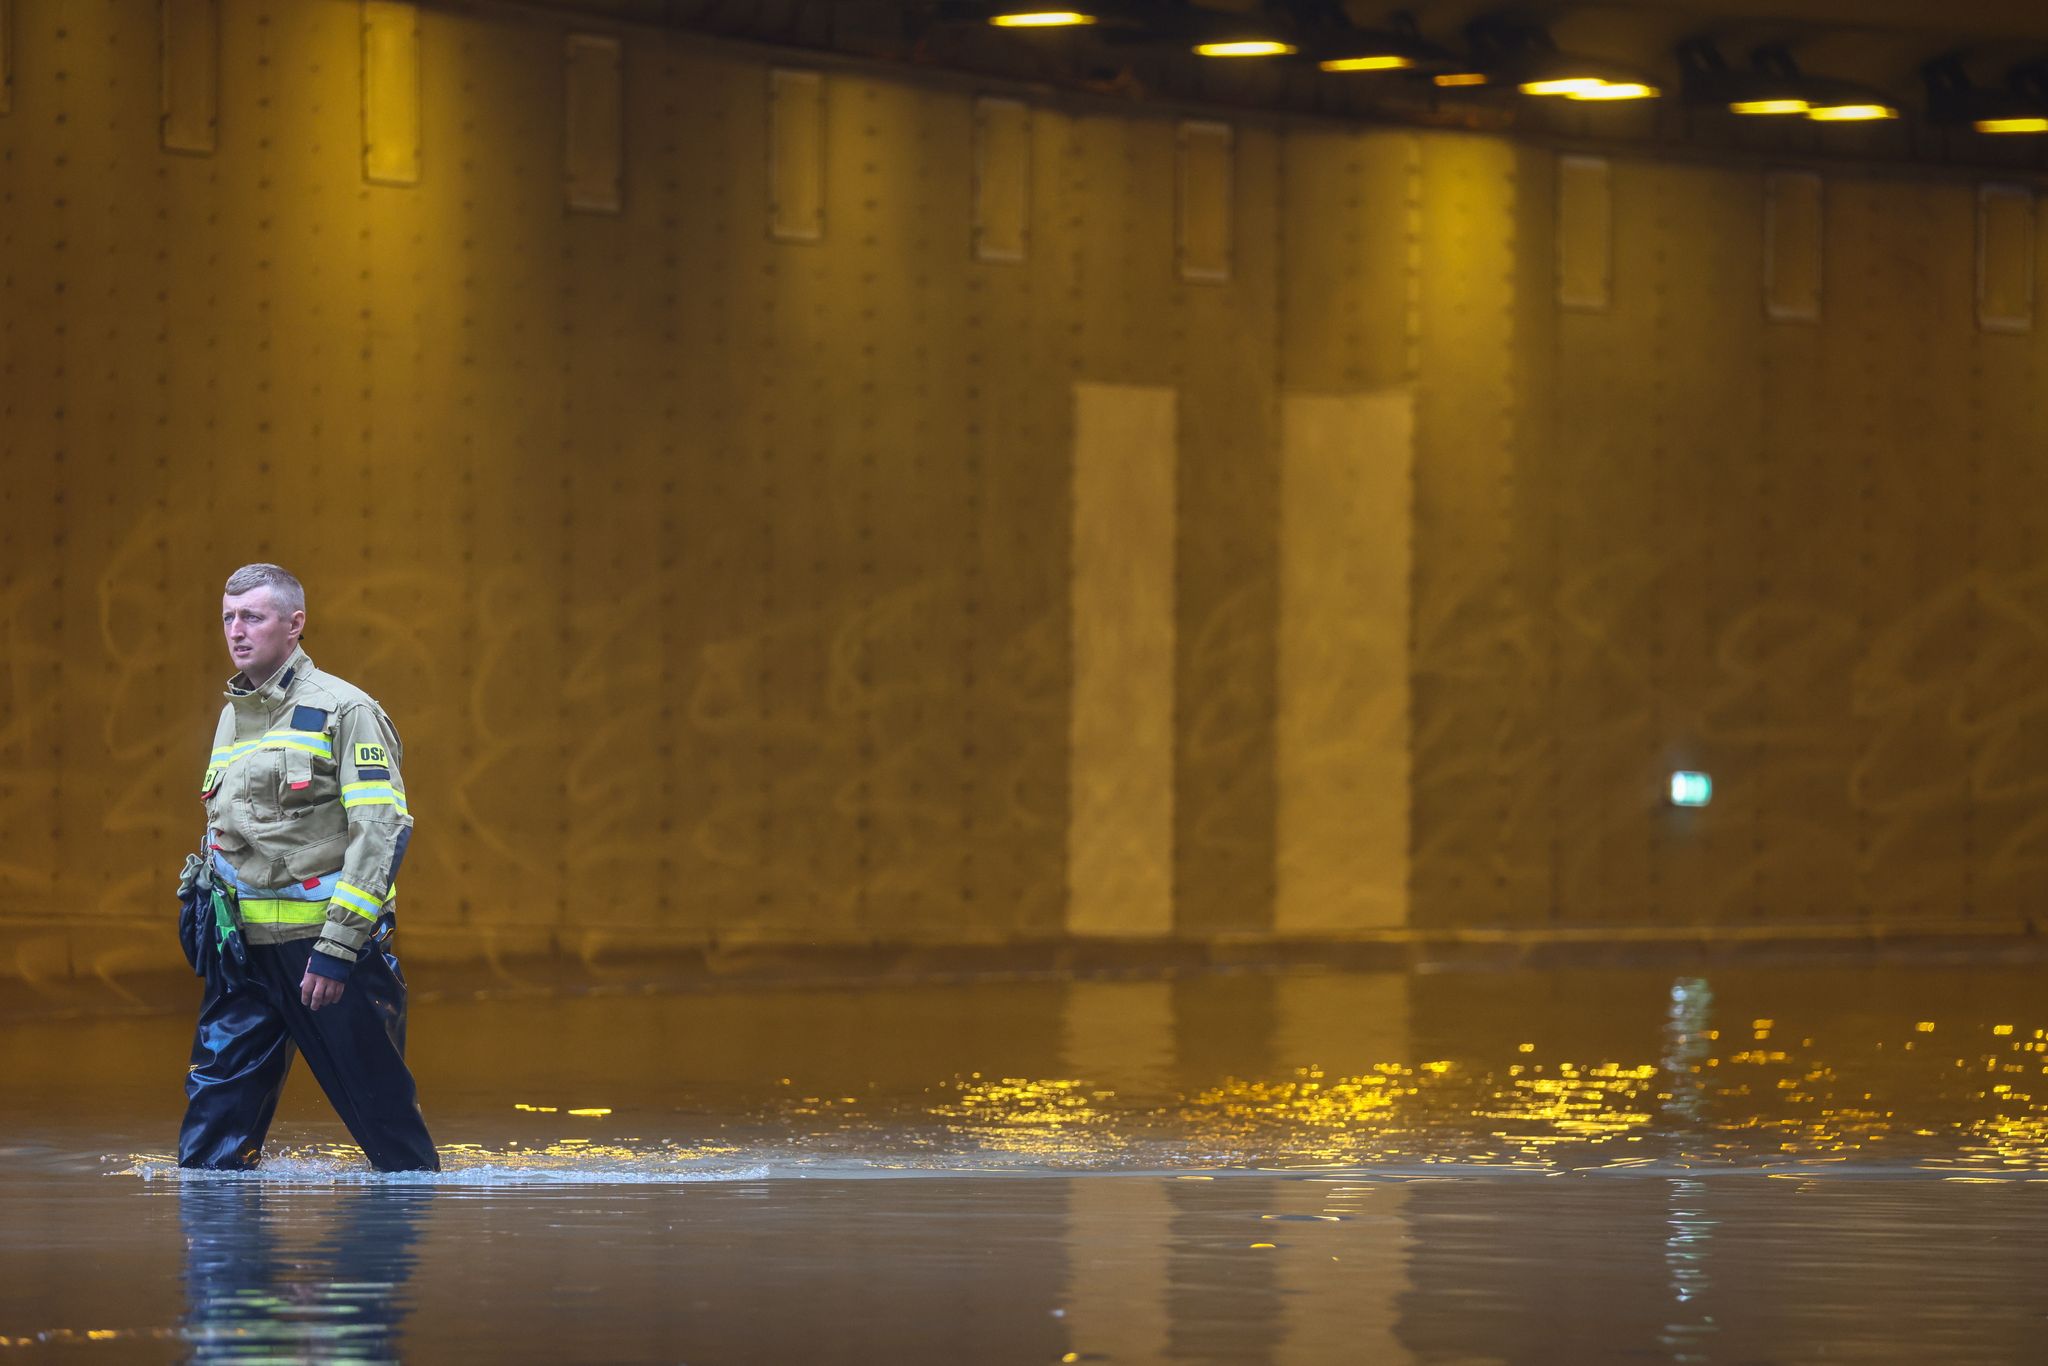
(1041, 18)
(2019, 107)
(1773, 86)
(1212, 33)
(1340, 46)
(1523, 56)
(1561, 85)
(1023, 17)
(1370, 62)
(1852, 111)
(1769, 108)
(1589, 87)
(1246, 47)
(1615, 90)
(1770, 87)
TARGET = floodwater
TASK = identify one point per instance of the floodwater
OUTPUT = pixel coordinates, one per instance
(1755, 1164)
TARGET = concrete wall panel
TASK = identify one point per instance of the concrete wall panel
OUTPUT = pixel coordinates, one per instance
(1121, 835)
(1342, 743)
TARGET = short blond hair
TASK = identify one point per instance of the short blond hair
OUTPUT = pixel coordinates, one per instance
(291, 595)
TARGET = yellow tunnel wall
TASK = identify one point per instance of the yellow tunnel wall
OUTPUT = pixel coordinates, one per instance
(732, 588)
(1803, 556)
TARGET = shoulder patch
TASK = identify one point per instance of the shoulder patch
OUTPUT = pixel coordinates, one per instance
(210, 781)
(308, 718)
(374, 755)
(366, 772)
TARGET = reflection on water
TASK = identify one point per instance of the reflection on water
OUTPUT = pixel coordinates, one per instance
(1688, 1244)
(272, 1273)
(1736, 1167)
(1688, 1258)
(1702, 1084)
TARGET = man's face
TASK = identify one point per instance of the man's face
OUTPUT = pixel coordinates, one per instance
(260, 637)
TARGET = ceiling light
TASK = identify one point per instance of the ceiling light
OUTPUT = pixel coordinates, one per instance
(2019, 106)
(1041, 18)
(1562, 85)
(1615, 90)
(1339, 46)
(1851, 113)
(1590, 88)
(1773, 85)
(1770, 85)
(1453, 79)
(1246, 47)
(1386, 62)
(1523, 55)
(1212, 33)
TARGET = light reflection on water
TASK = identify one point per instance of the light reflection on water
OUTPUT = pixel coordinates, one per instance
(1759, 1111)
(1688, 1244)
(1754, 1166)
(1703, 1094)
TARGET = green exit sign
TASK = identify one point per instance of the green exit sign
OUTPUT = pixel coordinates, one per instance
(1691, 789)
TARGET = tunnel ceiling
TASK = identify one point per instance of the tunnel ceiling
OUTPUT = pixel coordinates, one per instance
(1958, 20)
(1987, 48)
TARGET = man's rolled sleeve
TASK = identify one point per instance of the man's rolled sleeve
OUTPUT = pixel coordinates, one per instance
(366, 753)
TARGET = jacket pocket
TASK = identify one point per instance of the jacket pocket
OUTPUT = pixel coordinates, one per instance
(220, 818)
(298, 786)
(318, 858)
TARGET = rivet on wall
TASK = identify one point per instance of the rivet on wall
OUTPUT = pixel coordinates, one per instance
(191, 75)
(1585, 233)
(1793, 235)
(391, 93)
(1002, 179)
(1205, 189)
(2005, 258)
(796, 156)
(594, 145)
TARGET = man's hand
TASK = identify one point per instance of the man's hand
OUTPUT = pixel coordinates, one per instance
(317, 991)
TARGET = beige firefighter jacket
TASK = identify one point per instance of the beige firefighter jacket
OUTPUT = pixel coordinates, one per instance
(305, 809)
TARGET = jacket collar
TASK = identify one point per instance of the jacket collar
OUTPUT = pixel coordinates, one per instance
(279, 687)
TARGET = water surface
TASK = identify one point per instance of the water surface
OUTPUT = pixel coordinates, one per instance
(1795, 1164)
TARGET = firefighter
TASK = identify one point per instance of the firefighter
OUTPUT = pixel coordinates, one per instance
(306, 825)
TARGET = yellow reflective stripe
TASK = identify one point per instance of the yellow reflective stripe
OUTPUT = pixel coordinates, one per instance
(374, 794)
(311, 741)
(263, 912)
(356, 899)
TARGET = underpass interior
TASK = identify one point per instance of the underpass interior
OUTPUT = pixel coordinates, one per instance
(1042, 683)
